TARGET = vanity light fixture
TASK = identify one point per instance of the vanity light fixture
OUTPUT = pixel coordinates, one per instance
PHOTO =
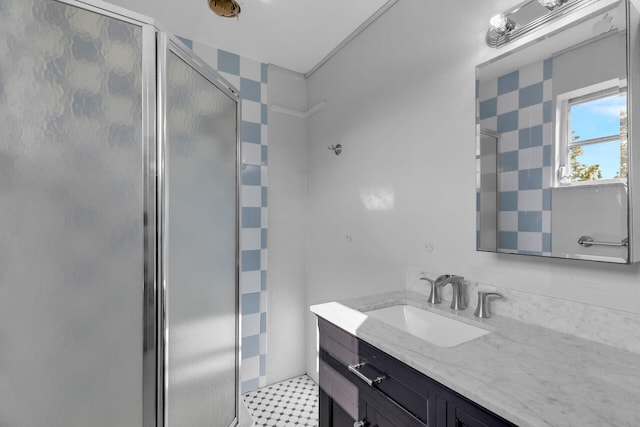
(552, 4)
(225, 8)
(528, 16)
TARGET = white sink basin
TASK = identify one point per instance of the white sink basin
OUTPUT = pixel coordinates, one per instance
(432, 327)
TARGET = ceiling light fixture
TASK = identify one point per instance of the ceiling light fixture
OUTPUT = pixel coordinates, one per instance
(225, 8)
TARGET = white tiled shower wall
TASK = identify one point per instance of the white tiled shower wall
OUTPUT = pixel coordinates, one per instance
(250, 77)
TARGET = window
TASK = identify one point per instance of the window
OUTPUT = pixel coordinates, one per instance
(594, 139)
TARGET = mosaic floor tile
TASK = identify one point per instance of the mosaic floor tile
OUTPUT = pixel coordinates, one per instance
(290, 403)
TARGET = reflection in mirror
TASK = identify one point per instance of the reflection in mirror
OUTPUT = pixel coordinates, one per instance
(487, 191)
(552, 146)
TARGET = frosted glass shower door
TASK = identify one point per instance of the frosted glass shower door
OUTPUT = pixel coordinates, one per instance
(72, 257)
(200, 248)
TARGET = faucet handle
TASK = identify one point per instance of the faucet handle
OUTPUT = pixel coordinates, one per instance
(434, 298)
(482, 310)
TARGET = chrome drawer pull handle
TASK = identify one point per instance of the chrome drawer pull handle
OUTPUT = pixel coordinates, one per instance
(356, 370)
(360, 424)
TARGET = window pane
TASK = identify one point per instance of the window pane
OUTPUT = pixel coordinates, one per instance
(597, 118)
(606, 155)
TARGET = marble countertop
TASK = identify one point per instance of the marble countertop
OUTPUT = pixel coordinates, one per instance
(529, 375)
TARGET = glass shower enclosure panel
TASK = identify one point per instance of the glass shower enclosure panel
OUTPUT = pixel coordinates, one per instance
(118, 223)
(200, 251)
(72, 263)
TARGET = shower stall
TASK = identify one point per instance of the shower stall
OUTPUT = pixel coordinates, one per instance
(118, 223)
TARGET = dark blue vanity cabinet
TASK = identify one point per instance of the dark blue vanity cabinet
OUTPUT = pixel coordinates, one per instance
(400, 397)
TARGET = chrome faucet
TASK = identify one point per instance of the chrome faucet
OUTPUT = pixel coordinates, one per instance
(457, 300)
(434, 298)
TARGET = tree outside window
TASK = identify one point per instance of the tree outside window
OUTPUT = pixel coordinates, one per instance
(598, 141)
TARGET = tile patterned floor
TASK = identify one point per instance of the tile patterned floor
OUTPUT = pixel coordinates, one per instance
(290, 403)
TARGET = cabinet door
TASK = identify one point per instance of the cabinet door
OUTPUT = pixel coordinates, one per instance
(331, 414)
(457, 417)
(378, 414)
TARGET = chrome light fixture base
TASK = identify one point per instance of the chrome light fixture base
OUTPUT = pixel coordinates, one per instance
(552, 4)
(500, 26)
(499, 35)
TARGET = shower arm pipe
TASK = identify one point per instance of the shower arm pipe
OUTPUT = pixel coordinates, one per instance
(304, 114)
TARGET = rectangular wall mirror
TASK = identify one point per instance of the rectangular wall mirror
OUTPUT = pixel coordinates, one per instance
(553, 146)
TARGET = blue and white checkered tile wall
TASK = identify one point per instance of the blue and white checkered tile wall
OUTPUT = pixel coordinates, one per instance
(251, 78)
(518, 106)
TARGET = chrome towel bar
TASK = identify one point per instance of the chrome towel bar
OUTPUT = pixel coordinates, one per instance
(587, 241)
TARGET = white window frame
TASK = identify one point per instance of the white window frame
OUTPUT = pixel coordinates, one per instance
(563, 127)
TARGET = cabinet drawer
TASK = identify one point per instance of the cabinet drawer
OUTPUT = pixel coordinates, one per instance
(340, 389)
(339, 344)
(401, 383)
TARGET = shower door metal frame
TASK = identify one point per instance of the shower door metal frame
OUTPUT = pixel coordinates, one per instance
(112, 11)
(151, 190)
(156, 43)
(168, 43)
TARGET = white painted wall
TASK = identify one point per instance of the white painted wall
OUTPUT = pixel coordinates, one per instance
(401, 102)
(286, 197)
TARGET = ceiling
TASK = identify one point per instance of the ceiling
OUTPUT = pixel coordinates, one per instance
(293, 34)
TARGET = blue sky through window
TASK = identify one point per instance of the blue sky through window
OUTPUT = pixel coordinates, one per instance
(606, 154)
(595, 119)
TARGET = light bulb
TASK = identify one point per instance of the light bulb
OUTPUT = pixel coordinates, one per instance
(501, 24)
(551, 4)
(498, 22)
